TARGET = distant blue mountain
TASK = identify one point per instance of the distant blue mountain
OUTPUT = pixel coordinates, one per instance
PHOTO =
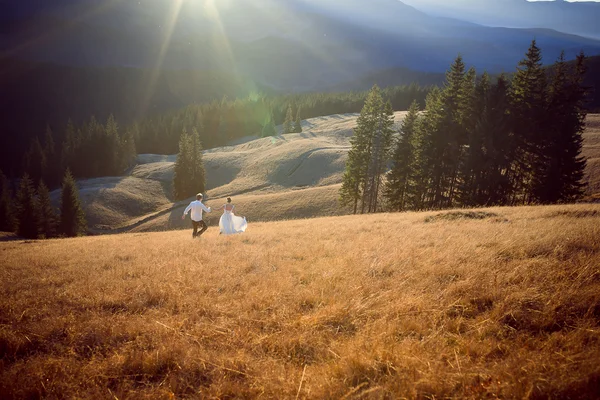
(579, 18)
(286, 44)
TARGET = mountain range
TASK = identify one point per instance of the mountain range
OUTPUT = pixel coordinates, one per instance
(580, 18)
(77, 58)
(286, 44)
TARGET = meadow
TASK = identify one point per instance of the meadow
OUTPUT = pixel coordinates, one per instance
(501, 302)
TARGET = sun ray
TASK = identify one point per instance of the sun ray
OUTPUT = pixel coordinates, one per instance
(169, 28)
(212, 11)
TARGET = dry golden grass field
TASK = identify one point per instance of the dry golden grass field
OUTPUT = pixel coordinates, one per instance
(494, 303)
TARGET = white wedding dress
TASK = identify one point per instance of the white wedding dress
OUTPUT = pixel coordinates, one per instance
(230, 223)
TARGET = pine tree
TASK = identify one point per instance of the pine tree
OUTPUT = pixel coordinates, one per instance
(359, 156)
(197, 172)
(96, 152)
(402, 175)
(473, 169)
(382, 144)
(499, 146)
(289, 121)
(444, 136)
(529, 122)
(110, 148)
(369, 154)
(452, 134)
(52, 170)
(560, 177)
(70, 147)
(48, 219)
(35, 161)
(574, 164)
(7, 212)
(427, 159)
(72, 217)
(183, 168)
(298, 122)
(350, 192)
(128, 151)
(27, 210)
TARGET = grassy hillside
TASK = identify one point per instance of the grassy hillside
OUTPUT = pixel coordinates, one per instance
(267, 178)
(494, 303)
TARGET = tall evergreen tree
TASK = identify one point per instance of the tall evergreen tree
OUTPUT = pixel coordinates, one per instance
(369, 154)
(529, 122)
(357, 166)
(453, 132)
(182, 174)
(382, 142)
(350, 192)
(574, 164)
(111, 148)
(560, 175)
(444, 136)
(402, 175)
(128, 150)
(473, 168)
(499, 146)
(96, 152)
(7, 211)
(35, 161)
(427, 158)
(289, 121)
(297, 122)
(48, 222)
(72, 217)
(52, 170)
(27, 209)
(197, 171)
(70, 147)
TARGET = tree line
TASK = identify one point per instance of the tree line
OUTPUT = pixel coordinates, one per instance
(478, 142)
(220, 122)
(30, 212)
(88, 151)
(93, 149)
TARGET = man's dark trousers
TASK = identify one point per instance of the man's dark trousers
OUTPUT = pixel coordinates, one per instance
(197, 224)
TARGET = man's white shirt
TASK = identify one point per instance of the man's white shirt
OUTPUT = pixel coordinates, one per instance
(197, 207)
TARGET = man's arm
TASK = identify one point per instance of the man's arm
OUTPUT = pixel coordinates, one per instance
(187, 210)
(207, 209)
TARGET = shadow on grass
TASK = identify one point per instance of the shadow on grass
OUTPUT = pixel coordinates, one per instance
(464, 215)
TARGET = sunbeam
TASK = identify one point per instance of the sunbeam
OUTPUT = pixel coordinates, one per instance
(169, 27)
(212, 12)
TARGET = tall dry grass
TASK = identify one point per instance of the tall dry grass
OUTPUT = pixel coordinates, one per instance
(495, 303)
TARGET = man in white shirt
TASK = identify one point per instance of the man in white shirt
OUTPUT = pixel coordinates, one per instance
(197, 207)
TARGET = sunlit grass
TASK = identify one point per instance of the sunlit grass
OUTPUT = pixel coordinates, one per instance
(500, 302)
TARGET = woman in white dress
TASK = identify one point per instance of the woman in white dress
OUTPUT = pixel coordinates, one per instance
(230, 223)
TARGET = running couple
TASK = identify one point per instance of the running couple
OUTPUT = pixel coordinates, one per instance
(229, 223)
